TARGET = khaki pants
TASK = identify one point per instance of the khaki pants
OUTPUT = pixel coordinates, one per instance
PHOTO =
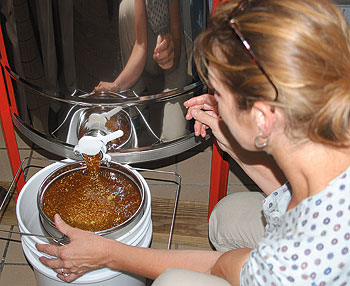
(183, 277)
(236, 221)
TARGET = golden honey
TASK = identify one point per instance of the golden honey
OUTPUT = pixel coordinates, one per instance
(93, 198)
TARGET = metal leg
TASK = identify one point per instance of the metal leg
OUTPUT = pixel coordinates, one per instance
(218, 177)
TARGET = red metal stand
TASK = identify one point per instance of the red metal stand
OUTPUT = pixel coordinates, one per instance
(218, 177)
(219, 167)
(7, 104)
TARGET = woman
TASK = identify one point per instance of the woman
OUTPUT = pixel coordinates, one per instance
(280, 71)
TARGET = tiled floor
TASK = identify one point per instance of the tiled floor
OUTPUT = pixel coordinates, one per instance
(194, 167)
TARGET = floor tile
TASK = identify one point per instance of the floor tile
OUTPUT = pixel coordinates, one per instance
(37, 162)
(4, 239)
(163, 191)
(196, 169)
(160, 174)
(5, 167)
(2, 139)
(195, 193)
(188, 247)
(8, 213)
(22, 141)
(15, 253)
(159, 245)
(17, 275)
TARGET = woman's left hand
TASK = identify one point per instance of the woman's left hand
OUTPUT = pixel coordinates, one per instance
(85, 252)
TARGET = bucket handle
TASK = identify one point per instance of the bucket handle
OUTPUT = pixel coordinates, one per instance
(177, 193)
(60, 241)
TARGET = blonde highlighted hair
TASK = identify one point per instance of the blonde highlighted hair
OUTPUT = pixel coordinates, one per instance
(304, 47)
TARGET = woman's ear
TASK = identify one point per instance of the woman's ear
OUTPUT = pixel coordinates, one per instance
(264, 117)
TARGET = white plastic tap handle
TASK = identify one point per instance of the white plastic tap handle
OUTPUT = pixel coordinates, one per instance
(92, 145)
(112, 112)
(111, 136)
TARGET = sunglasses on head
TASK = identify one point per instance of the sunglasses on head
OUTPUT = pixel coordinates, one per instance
(242, 5)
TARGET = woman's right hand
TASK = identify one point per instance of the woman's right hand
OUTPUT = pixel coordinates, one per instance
(259, 166)
(204, 110)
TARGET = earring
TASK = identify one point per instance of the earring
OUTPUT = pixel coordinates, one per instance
(259, 138)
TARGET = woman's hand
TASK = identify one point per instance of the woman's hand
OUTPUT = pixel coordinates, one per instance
(164, 53)
(259, 166)
(85, 252)
(104, 86)
(204, 109)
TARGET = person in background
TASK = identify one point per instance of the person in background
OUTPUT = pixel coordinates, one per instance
(279, 70)
(152, 48)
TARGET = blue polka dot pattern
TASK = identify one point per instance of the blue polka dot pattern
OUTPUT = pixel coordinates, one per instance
(307, 245)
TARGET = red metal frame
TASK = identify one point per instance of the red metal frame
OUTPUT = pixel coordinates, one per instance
(8, 105)
(219, 167)
(218, 177)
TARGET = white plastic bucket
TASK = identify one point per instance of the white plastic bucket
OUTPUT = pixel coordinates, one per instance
(29, 222)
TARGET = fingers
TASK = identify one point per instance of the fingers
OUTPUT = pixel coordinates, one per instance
(205, 101)
(164, 43)
(204, 110)
(98, 88)
(69, 277)
(207, 118)
(164, 53)
(61, 225)
(54, 263)
(49, 249)
(62, 269)
(200, 129)
(166, 64)
(107, 86)
(204, 120)
(159, 40)
(165, 59)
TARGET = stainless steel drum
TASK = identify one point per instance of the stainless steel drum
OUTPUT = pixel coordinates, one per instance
(117, 171)
(58, 51)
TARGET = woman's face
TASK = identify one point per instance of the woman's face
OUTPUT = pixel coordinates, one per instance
(239, 122)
